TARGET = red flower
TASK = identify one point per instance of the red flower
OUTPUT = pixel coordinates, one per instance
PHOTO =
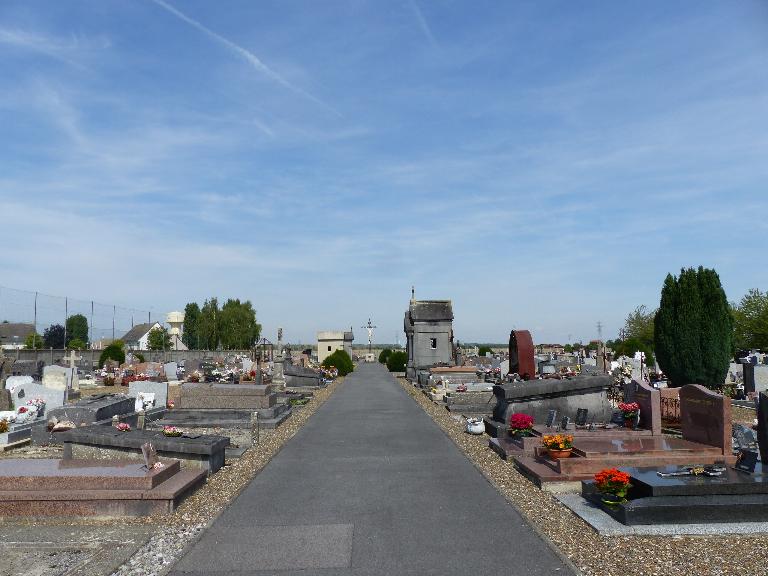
(23, 409)
(520, 421)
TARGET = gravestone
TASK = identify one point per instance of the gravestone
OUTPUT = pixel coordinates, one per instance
(749, 377)
(551, 417)
(705, 417)
(521, 354)
(5, 400)
(649, 400)
(762, 425)
(159, 389)
(247, 365)
(581, 416)
(747, 461)
(170, 369)
(91, 409)
(60, 378)
(26, 390)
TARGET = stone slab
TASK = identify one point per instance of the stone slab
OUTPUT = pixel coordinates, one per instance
(199, 451)
(30, 474)
(605, 525)
(93, 409)
(646, 483)
(687, 509)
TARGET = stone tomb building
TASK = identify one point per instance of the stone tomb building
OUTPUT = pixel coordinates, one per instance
(429, 331)
(329, 342)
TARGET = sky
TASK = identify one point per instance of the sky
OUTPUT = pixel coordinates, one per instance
(543, 165)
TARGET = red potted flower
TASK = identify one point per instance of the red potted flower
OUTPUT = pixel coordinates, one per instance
(613, 484)
(520, 425)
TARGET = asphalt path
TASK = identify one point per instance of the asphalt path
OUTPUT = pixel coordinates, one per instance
(370, 486)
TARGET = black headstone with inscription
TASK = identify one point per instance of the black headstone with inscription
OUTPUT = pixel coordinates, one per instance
(762, 426)
(551, 417)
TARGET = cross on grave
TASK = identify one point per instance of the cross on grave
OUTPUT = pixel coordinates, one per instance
(73, 357)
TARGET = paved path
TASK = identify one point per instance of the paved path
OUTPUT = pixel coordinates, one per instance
(370, 485)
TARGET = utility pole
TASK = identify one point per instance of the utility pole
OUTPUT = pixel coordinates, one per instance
(600, 331)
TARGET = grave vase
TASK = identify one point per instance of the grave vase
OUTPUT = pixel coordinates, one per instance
(556, 454)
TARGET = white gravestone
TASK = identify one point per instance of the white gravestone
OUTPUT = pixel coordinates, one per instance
(159, 390)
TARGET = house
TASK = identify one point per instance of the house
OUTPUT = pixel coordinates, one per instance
(137, 338)
(13, 334)
(330, 341)
(428, 327)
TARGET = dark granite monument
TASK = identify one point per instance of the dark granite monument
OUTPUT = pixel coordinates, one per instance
(201, 451)
(537, 397)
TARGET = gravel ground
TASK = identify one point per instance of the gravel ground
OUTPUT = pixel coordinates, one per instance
(591, 553)
(173, 533)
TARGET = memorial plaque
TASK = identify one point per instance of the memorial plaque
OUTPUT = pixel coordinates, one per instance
(747, 461)
(581, 416)
(551, 417)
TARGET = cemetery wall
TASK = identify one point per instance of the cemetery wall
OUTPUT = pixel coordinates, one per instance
(52, 356)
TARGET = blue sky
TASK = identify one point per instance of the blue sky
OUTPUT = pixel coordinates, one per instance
(542, 164)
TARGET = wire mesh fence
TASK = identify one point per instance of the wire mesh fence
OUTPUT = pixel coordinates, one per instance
(105, 321)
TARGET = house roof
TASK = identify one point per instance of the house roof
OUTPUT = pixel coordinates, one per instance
(430, 310)
(10, 329)
(135, 333)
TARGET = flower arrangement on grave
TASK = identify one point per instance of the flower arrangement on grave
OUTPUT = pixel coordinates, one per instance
(194, 377)
(108, 380)
(521, 424)
(22, 410)
(170, 405)
(172, 431)
(613, 484)
(3, 426)
(461, 388)
(37, 401)
(630, 411)
(123, 427)
(558, 445)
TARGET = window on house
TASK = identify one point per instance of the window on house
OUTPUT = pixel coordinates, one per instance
(329, 348)
(433, 343)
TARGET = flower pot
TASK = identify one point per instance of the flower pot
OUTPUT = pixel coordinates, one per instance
(612, 499)
(565, 453)
(629, 423)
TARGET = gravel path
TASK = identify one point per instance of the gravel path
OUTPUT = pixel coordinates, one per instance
(591, 553)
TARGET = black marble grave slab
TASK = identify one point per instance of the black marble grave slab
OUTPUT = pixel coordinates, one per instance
(647, 483)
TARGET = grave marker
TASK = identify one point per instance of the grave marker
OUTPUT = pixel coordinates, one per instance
(705, 417)
(551, 417)
(649, 400)
(581, 416)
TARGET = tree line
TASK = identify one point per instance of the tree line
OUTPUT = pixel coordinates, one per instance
(232, 326)
(73, 335)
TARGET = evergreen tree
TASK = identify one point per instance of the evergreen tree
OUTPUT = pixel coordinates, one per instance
(384, 354)
(77, 328)
(53, 337)
(191, 326)
(207, 324)
(341, 360)
(716, 328)
(693, 329)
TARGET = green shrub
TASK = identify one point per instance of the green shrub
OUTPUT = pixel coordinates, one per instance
(384, 355)
(483, 349)
(112, 352)
(397, 361)
(341, 360)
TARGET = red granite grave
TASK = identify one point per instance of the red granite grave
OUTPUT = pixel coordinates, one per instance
(94, 488)
(706, 424)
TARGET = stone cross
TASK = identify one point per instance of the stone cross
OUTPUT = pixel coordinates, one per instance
(73, 357)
